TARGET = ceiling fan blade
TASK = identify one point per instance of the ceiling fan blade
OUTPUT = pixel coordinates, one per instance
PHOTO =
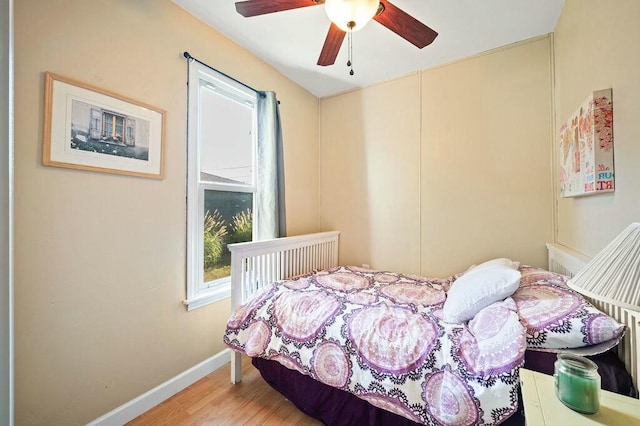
(331, 46)
(405, 25)
(262, 7)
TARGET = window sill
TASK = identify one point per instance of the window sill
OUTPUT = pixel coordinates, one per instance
(207, 296)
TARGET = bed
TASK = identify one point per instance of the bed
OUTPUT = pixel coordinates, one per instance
(467, 375)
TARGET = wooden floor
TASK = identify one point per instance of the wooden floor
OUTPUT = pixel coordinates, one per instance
(213, 400)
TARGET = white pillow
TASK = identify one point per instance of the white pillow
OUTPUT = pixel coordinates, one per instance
(478, 289)
(502, 261)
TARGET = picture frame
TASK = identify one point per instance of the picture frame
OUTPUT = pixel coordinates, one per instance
(89, 128)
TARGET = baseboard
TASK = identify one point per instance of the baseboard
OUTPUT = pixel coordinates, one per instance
(132, 409)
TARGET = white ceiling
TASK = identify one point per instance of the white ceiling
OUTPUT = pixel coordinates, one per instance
(291, 40)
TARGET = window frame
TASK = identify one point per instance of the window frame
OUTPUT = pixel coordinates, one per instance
(200, 293)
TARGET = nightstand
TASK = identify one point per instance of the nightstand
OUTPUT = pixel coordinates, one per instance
(541, 407)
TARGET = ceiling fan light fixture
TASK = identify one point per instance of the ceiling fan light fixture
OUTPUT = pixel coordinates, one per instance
(351, 15)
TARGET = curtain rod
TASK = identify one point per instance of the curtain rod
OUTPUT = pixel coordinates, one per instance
(188, 56)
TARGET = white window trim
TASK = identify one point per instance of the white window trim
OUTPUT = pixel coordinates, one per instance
(199, 295)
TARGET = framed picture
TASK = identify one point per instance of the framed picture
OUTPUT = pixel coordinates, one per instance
(88, 128)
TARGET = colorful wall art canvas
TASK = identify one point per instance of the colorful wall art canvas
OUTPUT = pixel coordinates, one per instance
(586, 148)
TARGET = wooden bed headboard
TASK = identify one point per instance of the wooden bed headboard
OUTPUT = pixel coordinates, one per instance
(568, 262)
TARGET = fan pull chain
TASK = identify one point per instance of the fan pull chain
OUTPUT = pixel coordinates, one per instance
(350, 53)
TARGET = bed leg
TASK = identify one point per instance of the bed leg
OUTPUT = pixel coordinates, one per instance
(236, 367)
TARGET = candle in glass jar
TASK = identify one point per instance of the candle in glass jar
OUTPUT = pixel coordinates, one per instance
(577, 383)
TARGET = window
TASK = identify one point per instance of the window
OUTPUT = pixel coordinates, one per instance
(112, 125)
(107, 125)
(221, 180)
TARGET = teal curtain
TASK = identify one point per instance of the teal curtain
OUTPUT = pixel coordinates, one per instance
(271, 201)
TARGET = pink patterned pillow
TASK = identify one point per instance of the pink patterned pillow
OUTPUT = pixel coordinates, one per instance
(557, 317)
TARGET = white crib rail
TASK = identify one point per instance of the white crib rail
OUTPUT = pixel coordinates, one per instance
(256, 264)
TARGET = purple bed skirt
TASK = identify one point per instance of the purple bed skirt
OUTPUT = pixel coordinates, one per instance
(336, 407)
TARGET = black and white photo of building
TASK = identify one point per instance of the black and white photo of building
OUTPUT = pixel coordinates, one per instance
(104, 131)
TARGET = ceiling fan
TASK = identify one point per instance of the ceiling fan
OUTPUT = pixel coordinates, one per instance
(347, 16)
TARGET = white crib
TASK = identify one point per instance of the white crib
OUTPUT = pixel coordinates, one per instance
(258, 263)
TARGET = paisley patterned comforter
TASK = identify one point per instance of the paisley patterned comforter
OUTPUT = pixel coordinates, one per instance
(380, 336)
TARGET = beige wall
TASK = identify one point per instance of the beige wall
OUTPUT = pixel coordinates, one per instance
(100, 259)
(434, 171)
(486, 169)
(596, 47)
(6, 213)
(370, 174)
